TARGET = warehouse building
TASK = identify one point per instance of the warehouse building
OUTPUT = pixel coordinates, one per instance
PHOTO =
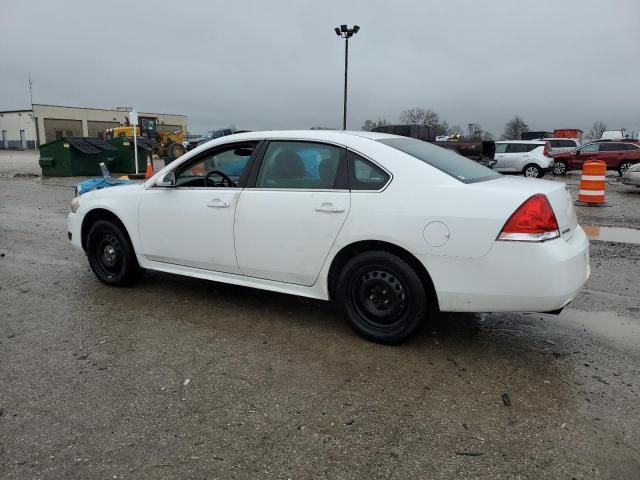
(25, 129)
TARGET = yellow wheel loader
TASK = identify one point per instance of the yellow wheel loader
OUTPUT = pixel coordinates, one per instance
(164, 144)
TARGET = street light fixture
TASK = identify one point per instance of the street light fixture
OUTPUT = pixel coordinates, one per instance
(344, 32)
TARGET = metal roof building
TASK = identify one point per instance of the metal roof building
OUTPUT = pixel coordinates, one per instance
(28, 128)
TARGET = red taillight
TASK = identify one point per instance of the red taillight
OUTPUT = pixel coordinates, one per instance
(533, 221)
(546, 151)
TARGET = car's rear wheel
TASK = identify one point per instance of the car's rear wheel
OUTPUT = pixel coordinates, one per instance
(382, 297)
(623, 167)
(110, 254)
(532, 171)
(559, 168)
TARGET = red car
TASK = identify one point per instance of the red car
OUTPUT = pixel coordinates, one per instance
(617, 155)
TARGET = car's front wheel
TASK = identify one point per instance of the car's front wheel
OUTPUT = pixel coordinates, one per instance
(623, 167)
(382, 297)
(532, 171)
(559, 168)
(110, 254)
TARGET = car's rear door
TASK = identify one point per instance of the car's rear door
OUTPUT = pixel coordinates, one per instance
(292, 210)
(517, 156)
(612, 153)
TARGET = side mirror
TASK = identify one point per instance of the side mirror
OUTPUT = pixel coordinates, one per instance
(168, 180)
(577, 152)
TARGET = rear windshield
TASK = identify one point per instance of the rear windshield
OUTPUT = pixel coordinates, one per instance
(451, 163)
(562, 143)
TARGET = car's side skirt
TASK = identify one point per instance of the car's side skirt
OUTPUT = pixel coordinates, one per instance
(280, 287)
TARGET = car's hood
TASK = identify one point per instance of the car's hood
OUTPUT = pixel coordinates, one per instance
(111, 192)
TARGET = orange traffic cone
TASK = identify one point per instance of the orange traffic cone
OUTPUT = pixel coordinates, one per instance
(149, 173)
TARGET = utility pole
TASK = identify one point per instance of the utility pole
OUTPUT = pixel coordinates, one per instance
(30, 91)
(33, 116)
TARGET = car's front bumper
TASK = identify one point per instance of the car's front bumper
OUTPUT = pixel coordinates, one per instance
(513, 276)
(74, 229)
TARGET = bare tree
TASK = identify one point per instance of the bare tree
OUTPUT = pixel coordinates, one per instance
(514, 128)
(596, 130)
(369, 125)
(421, 116)
(487, 136)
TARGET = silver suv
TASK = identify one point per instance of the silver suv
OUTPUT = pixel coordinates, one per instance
(558, 145)
(530, 158)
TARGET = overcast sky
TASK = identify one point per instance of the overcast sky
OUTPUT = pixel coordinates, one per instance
(278, 64)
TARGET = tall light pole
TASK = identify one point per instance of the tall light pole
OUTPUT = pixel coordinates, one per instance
(344, 32)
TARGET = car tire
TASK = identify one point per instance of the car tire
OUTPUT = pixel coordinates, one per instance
(560, 168)
(623, 167)
(532, 171)
(382, 297)
(111, 256)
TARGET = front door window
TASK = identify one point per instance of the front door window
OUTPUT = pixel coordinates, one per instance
(220, 168)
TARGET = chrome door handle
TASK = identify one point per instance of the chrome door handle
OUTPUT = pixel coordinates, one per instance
(217, 203)
(329, 208)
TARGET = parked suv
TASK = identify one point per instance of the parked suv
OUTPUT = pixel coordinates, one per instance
(617, 155)
(559, 145)
(529, 157)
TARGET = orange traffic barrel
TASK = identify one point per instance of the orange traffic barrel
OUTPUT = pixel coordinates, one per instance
(592, 184)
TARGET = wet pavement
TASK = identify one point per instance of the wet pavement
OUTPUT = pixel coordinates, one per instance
(182, 378)
(612, 234)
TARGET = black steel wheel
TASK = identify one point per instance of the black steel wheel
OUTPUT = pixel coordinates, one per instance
(110, 255)
(382, 297)
(559, 168)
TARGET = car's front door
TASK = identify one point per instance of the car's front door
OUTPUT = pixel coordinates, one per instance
(191, 223)
(290, 214)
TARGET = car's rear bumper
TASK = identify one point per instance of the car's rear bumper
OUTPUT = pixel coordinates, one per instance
(513, 276)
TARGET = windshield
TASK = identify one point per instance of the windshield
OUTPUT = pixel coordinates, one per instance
(447, 161)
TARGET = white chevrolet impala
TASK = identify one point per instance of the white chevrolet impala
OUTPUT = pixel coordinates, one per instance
(392, 228)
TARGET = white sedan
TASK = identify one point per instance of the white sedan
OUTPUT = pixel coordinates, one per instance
(392, 228)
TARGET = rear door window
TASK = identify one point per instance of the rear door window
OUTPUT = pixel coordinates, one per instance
(612, 147)
(521, 147)
(301, 165)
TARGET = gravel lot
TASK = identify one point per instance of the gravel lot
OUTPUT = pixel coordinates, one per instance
(182, 378)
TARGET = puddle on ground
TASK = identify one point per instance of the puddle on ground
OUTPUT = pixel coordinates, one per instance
(621, 330)
(612, 234)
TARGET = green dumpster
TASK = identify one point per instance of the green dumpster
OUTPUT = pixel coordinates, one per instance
(124, 161)
(75, 156)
